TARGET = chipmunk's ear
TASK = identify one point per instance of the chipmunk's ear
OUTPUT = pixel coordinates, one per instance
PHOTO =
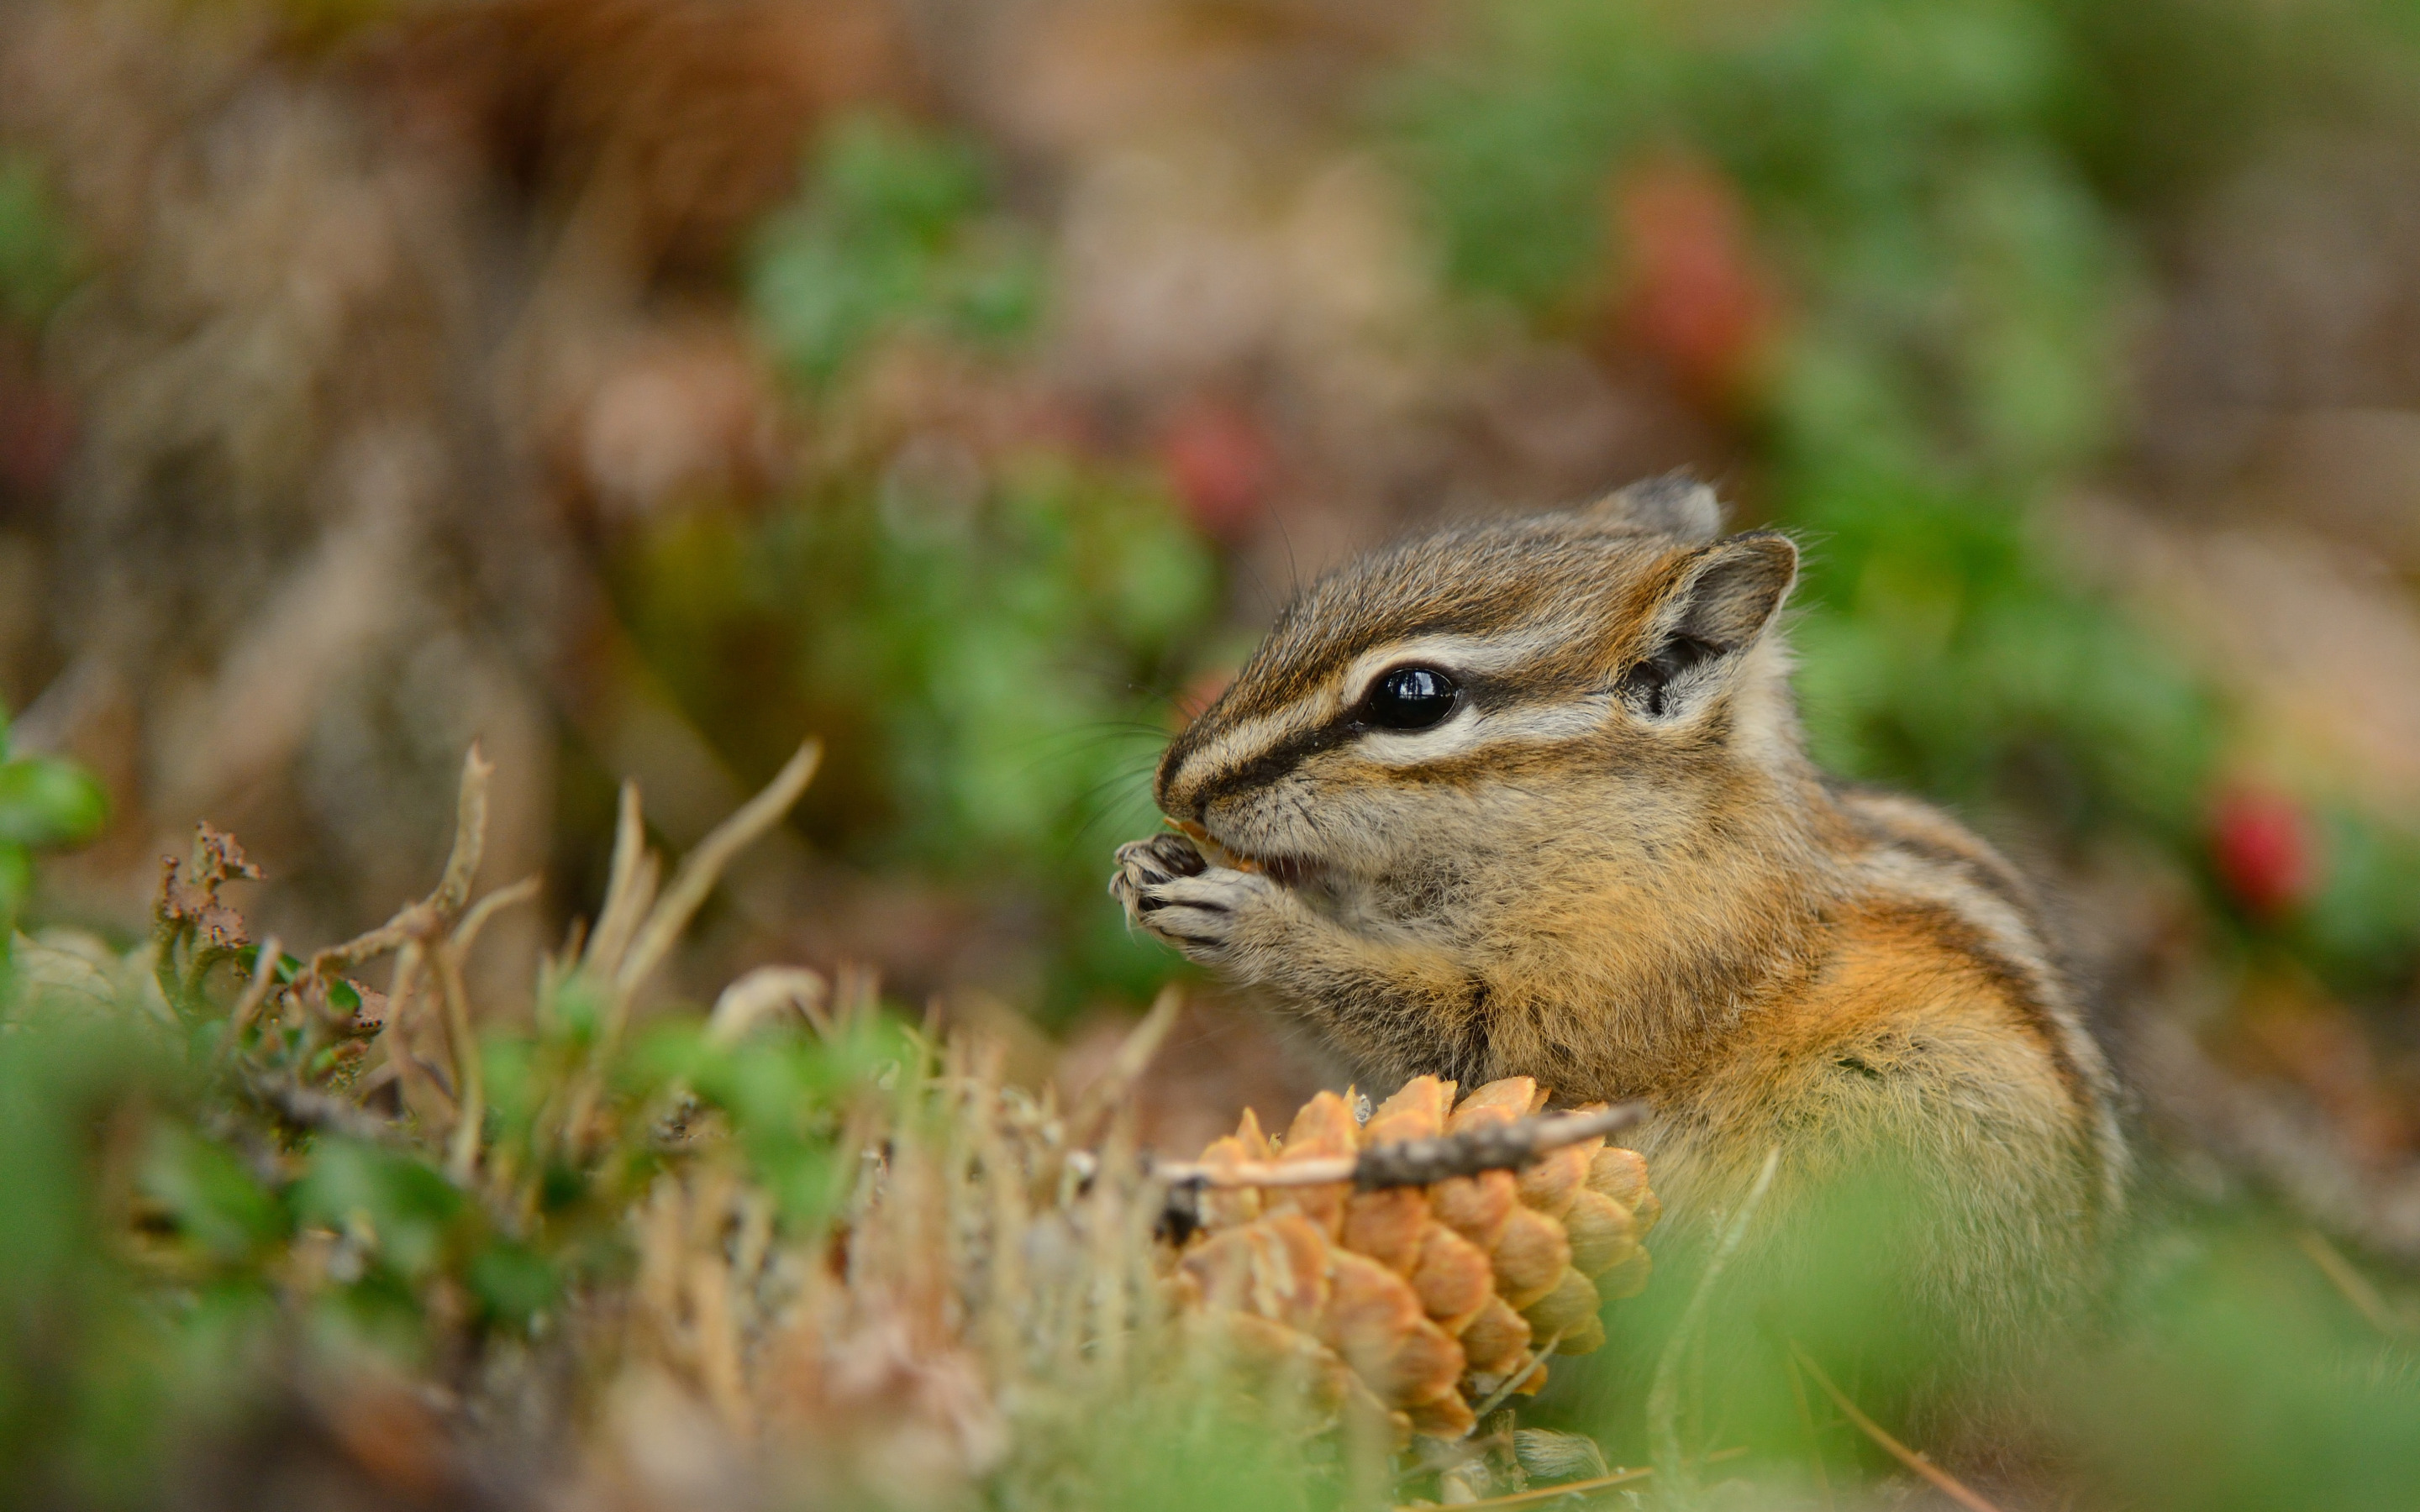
(1675, 505)
(1720, 606)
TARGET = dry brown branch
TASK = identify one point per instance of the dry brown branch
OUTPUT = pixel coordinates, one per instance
(637, 928)
(1946, 1484)
(412, 1078)
(470, 835)
(767, 990)
(437, 910)
(1419, 1162)
(255, 992)
(1134, 1056)
(475, 918)
(470, 1078)
(629, 889)
(695, 878)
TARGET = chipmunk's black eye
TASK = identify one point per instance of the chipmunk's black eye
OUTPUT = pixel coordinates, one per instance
(1410, 698)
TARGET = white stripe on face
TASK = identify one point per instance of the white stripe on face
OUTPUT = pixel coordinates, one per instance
(1470, 730)
(1456, 655)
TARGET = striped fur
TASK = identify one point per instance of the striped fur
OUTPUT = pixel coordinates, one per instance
(1632, 892)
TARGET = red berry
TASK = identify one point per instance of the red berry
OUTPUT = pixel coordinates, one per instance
(2261, 842)
(1696, 295)
(1222, 463)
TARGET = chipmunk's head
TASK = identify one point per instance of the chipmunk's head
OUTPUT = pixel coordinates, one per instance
(1464, 695)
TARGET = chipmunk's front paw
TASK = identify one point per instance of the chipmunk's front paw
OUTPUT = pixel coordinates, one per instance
(1169, 889)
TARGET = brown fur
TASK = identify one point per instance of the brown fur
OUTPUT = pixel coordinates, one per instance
(1565, 883)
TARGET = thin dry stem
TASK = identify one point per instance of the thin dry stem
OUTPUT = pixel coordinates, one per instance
(1519, 1377)
(767, 990)
(2355, 1287)
(1134, 1056)
(469, 1079)
(475, 919)
(1946, 1484)
(470, 835)
(630, 888)
(255, 992)
(432, 913)
(703, 867)
(413, 1078)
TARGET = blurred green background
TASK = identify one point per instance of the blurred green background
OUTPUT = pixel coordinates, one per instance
(640, 386)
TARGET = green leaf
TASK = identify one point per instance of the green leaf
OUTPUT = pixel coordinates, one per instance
(513, 1282)
(407, 1204)
(48, 802)
(38, 254)
(205, 1189)
(16, 886)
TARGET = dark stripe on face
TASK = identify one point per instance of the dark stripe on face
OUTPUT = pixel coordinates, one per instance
(1487, 693)
(1269, 767)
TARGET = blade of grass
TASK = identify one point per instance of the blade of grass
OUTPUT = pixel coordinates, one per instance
(1678, 1487)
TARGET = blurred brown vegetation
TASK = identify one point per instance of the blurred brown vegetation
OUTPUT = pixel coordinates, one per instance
(402, 343)
(635, 387)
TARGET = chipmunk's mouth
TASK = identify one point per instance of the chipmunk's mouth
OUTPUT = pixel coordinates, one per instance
(1286, 871)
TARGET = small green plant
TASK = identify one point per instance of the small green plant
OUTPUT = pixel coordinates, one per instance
(994, 624)
(249, 1194)
(45, 803)
(38, 252)
(892, 232)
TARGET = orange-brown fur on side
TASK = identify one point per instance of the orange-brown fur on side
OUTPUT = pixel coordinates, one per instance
(1607, 864)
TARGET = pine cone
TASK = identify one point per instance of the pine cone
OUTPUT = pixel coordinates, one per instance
(1420, 1299)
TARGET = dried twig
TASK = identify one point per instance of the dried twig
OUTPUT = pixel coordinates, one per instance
(1946, 1484)
(629, 889)
(1515, 1382)
(2354, 1286)
(696, 876)
(637, 928)
(475, 918)
(470, 835)
(255, 992)
(412, 1076)
(768, 990)
(437, 910)
(1418, 1161)
(703, 867)
(1134, 1056)
(1577, 1487)
(470, 1078)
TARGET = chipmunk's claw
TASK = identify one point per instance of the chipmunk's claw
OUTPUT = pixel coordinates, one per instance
(1163, 857)
(1167, 888)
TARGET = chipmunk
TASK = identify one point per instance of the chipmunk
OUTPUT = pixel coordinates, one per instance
(1531, 798)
